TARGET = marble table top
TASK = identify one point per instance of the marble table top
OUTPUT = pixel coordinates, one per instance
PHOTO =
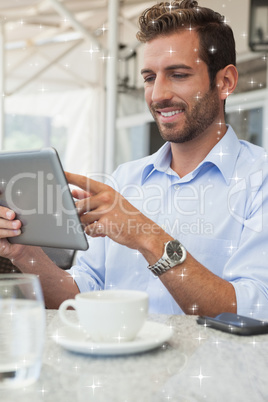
(196, 364)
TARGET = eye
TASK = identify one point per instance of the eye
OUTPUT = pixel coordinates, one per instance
(149, 78)
(180, 75)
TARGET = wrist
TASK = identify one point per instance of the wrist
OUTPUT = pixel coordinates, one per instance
(25, 255)
(153, 246)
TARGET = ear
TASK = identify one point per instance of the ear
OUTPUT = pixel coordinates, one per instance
(226, 81)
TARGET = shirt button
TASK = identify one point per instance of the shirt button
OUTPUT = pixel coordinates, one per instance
(177, 186)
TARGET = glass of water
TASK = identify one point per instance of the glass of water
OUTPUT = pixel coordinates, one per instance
(22, 329)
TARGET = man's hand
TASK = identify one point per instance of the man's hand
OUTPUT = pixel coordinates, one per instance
(105, 212)
(9, 227)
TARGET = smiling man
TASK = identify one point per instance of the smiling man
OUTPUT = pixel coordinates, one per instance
(189, 224)
(186, 106)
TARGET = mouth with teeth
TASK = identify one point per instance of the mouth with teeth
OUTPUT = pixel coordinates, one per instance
(170, 114)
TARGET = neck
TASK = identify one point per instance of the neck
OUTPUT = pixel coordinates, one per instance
(187, 156)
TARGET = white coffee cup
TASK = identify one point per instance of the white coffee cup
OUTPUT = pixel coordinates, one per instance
(108, 315)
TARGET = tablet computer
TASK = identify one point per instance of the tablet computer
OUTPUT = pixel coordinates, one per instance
(33, 184)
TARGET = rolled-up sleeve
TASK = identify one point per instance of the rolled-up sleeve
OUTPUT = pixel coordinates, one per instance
(89, 269)
(247, 269)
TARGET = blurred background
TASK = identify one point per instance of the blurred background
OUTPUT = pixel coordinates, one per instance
(70, 78)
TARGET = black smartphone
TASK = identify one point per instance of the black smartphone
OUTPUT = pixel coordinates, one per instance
(235, 324)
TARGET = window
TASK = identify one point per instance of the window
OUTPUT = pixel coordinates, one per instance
(247, 124)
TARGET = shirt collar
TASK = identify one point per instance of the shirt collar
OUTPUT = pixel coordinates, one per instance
(159, 161)
(223, 155)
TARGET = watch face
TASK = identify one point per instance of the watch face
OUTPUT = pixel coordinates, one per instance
(174, 251)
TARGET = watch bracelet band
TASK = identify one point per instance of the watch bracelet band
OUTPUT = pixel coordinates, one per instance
(160, 267)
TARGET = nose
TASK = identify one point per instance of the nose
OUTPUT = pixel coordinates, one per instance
(161, 90)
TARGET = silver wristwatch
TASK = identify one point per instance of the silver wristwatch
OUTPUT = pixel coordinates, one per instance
(174, 254)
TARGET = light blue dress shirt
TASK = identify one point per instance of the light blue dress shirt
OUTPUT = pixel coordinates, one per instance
(219, 212)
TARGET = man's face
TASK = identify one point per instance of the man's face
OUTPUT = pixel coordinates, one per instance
(177, 87)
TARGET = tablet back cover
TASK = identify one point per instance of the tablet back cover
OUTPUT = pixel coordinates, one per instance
(33, 184)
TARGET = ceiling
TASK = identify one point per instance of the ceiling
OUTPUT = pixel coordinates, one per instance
(53, 44)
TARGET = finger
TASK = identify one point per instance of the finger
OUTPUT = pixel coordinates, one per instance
(4, 233)
(80, 194)
(87, 204)
(7, 213)
(95, 229)
(89, 185)
(5, 224)
(9, 228)
(89, 218)
(95, 206)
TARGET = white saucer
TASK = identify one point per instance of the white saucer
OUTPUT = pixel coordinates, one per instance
(151, 336)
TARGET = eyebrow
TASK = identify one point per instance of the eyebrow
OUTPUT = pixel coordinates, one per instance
(172, 67)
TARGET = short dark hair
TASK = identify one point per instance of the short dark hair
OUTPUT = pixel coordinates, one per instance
(217, 44)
